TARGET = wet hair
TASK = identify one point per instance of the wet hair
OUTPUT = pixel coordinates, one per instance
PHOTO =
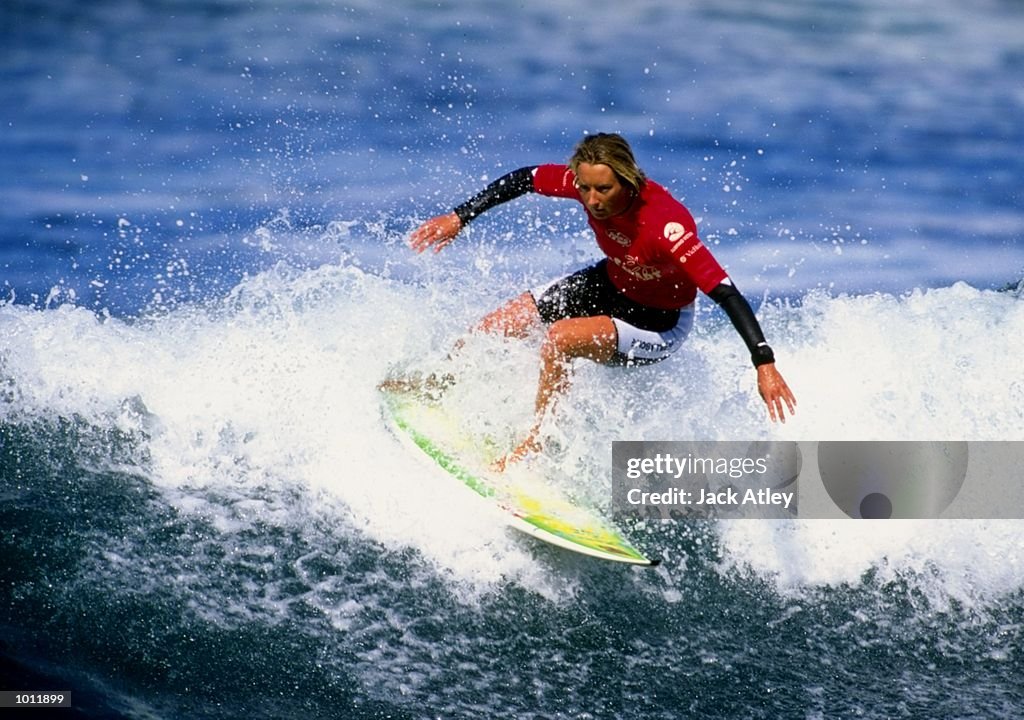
(612, 150)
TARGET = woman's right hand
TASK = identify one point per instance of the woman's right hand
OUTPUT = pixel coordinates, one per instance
(436, 232)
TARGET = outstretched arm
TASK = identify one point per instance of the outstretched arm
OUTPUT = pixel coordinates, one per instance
(770, 383)
(441, 230)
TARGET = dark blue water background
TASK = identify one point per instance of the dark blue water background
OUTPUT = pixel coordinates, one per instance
(853, 146)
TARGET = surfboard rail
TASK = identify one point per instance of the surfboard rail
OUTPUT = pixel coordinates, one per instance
(538, 510)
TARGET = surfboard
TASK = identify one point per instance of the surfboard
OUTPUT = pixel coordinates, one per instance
(531, 505)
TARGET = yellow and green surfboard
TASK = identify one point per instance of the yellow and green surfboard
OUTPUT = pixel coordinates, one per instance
(533, 506)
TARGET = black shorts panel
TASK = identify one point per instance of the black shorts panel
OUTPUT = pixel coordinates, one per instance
(589, 292)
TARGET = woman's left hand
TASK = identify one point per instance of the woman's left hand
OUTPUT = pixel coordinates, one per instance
(775, 392)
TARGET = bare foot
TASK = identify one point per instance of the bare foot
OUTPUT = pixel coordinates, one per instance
(527, 447)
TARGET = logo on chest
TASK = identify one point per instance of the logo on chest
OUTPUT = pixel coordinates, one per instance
(637, 269)
(620, 238)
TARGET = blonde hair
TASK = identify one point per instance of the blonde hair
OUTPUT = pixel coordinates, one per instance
(612, 150)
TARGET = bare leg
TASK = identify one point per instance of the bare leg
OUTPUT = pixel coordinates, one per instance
(514, 319)
(593, 338)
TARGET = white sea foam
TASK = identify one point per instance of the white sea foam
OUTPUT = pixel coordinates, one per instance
(273, 389)
(970, 562)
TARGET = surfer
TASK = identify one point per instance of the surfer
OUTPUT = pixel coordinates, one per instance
(635, 306)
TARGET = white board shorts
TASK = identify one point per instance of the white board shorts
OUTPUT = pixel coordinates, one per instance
(641, 347)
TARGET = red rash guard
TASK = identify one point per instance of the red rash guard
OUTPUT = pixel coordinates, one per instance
(655, 256)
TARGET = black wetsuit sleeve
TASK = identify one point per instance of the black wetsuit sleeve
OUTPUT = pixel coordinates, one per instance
(742, 316)
(508, 187)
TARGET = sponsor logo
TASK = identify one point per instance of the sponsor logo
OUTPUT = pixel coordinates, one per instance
(686, 256)
(674, 231)
(620, 238)
(677, 234)
(636, 269)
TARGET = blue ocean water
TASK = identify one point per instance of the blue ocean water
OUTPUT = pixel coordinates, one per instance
(204, 276)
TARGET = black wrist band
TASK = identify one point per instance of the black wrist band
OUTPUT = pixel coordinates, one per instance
(762, 355)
